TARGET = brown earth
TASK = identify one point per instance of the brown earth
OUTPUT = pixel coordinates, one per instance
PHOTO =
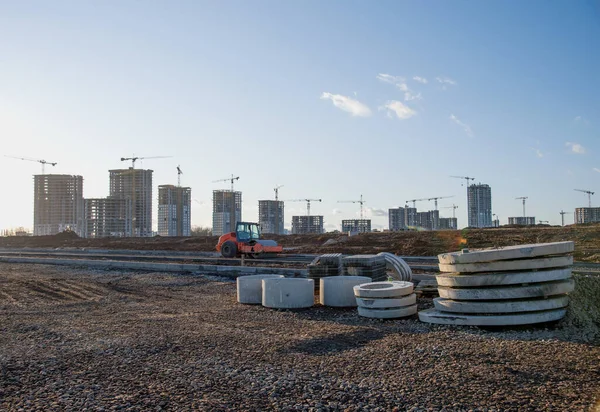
(73, 339)
(586, 238)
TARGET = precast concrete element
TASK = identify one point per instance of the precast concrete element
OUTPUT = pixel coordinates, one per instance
(372, 266)
(397, 265)
(249, 288)
(534, 290)
(503, 265)
(507, 253)
(338, 291)
(288, 293)
(502, 278)
(502, 306)
(216, 270)
(525, 318)
(392, 313)
(383, 289)
(386, 303)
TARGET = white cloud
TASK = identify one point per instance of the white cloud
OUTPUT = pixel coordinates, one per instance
(538, 152)
(446, 80)
(399, 108)
(388, 78)
(596, 169)
(378, 212)
(465, 126)
(575, 147)
(420, 79)
(408, 96)
(348, 104)
(336, 212)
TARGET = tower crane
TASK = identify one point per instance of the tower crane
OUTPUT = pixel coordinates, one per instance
(562, 216)
(136, 158)
(229, 179)
(464, 177)
(307, 203)
(361, 201)
(415, 202)
(589, 193)
(453, 207)
(41, 161)
(276, 189)
(179, 173)
(436, 199)
(524, 198)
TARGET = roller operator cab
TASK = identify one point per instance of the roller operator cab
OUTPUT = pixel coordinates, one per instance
(246, 241)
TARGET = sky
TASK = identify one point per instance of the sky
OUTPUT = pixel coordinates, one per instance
(332, 100)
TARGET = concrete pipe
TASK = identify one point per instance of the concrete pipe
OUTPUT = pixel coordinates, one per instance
(502, 278)
(398, 266)
(288, 293)
(249, 288)
(524, 318)
(393, 313)
(383, 289)
(338, 290)
(534, 290)
(500, 306)
(371, 303)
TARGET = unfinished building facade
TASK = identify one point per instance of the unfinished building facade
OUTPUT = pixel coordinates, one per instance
(479, 199)
(134, 185)
(448, 223)
(356, 225)
(397, 219)
(302, 225)
(174, 210)
(107, 217)
(227, 211)
(587, 215)
(270, 216)
(522, 220)
(57, 204)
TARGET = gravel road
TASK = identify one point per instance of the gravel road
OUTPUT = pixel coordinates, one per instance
(76, 339)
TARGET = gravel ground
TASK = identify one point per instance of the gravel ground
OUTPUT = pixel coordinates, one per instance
(75, 339)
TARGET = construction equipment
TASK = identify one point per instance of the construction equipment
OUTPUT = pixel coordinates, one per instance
(229, 179)
(361, 201)
(524, 198)
(307, 203)
(453, 207)
(246, 241)
(136, 158)
(415, 202)
(464, 177)
(179, 173)
(436, 199)
(562, 216)
(589, 193)
(42, 162)
(276, 189)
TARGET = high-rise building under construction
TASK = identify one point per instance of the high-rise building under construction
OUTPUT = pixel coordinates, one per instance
(270, 216)
(134, 185)
(479, 198)
(227, 211)
(57, 204)
(174, 205)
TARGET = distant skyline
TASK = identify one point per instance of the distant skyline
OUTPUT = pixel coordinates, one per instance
(330, 99)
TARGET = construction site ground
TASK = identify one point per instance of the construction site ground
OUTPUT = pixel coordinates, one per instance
(425, 243)
(78, 339)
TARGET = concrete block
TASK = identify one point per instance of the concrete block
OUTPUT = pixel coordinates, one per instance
(507, 253)
(502, 278)
(288, 293)
(388, 313)
(383, 289)
(500, 306)
(527, 318)
(535, 290)
(338, 291)
(249, 288)
(398, 266)
(387, 303)
(523, 264)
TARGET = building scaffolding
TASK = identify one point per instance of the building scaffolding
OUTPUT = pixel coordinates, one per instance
(174, 205)
(58, 204)
(136, 186)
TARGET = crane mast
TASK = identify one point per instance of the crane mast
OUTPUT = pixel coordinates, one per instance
(361, 201)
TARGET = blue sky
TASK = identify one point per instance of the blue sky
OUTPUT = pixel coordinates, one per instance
(327, 98)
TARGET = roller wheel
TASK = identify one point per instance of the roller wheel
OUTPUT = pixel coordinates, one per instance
(229, 249)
